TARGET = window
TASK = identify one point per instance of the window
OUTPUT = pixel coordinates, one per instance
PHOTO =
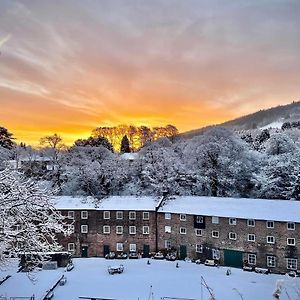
(199, 219)
(84, 229)
(232, 235)
(84, 214)
(215, 254)
(252, 259)
(199, 248)
(270, 239)
(167, 216)
(251, 223)
(215, 220)
(119, 247)
(70, 228)
(106, 215)
(132, 247)
(146, 215)
(290, 225)
(291, 241)
(168, 229)
(119, 215)
(167, 244)
(270, 224)
(145, 229)
(70, 214)
(198, 232)
(71, 247)
(106, 229)
(132, 230)
(215, 234)
(119, 229)
(271, 261)
(251, 237)
(182, 217)
(182, 230)
(132, 215)
(232, 221)
(291, 263)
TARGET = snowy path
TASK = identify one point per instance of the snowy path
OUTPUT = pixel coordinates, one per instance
(90, 278)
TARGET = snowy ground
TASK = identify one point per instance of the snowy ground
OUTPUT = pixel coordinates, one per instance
(160, 279)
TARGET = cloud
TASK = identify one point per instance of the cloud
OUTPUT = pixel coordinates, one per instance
(5, 40)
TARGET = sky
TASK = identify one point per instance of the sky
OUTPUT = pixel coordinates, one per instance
(68, 66)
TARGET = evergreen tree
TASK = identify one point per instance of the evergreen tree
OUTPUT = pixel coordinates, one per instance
(6, 139)
(125, 148)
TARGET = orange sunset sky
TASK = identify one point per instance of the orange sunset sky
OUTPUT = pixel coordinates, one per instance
(70, 66)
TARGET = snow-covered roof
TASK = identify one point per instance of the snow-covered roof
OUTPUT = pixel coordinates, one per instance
(110, 203)
(259, 209)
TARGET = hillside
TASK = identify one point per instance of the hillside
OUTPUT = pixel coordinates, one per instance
(273, 117)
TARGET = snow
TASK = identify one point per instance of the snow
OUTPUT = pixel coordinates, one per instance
(110, 203)
(139, 280)
(129, 156)
(243, 208)
(277, 124)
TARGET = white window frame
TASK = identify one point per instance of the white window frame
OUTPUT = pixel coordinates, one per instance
(271, 261)
(119, 215)
(215, 254)
(270, 239)
(106, 215)
(71, 214)
(71, 247)
(146, 215)
(119, 229)
(232, 236)
(251, 223)
(252, 259)
(198, 232)
(132, 247)
(168, 229)
(199, 248)
(71, 228)
(132, 229)
(251, 235)
(106, 229)
(290, 243)
(120, 247)
(290, 225)
(132, 215)
(182, 217)
(270, 224)
(215, 234)
(199, 219)
(232, 221)
(168, 216)
(291, 263)
(146, 230)
(84, 215)
(84, 229)
(182, 230)
(215, 220)
(168, 244)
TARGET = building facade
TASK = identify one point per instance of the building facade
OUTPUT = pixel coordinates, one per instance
(233, 232)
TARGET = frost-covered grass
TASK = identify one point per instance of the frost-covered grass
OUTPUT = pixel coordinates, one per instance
(160, 279)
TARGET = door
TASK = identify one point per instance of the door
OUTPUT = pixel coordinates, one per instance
(233, 258)
(105, 249)
(183, 252)
(84, 251)
(146, 251)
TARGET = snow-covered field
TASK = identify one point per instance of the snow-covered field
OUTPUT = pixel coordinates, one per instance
(141, 281)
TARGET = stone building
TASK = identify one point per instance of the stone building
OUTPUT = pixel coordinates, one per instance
(233, 232)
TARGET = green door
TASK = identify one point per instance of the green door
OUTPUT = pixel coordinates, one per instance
(183, 252)
(233, 258)
(105, 249)
(84, 251)
(146, 251)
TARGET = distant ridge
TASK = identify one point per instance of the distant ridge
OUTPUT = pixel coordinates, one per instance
(272, 117)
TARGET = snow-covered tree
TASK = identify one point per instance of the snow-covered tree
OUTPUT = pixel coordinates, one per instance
(28, 221)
